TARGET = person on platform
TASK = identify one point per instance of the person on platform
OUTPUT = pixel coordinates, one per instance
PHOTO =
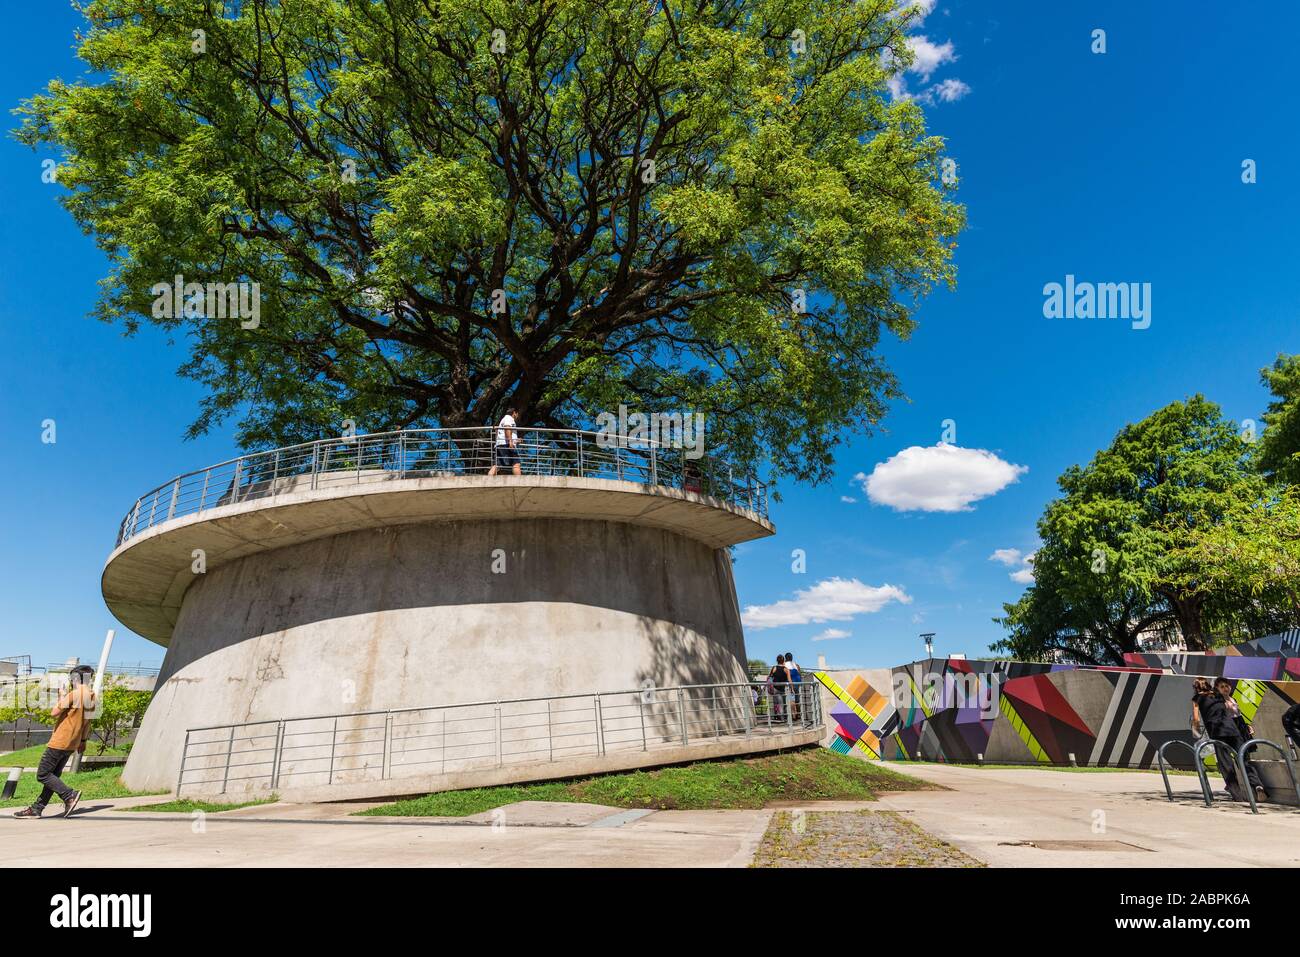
(778, 680)
(71, 728)
(795, 680)
(505, 452)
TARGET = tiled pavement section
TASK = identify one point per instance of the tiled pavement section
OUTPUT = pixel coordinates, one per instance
(861, 838)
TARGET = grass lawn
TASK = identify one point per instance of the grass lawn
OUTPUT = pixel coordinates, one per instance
(186, 806)
(810, 774)
(103, 783)
(30, 757)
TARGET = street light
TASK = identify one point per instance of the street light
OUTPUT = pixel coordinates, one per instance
(928, 638)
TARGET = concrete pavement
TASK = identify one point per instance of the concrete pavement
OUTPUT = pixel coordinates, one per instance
(320, 835)
(1006, 818)
(1094, 819)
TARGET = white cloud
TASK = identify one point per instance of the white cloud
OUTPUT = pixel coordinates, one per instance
(938, 478)
(848, 498)
(1011, 557)
(832, 599)
(831, 634)
(929, 56)
(949, 91)
(924, 8)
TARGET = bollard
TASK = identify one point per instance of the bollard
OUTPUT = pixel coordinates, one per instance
(11, 784)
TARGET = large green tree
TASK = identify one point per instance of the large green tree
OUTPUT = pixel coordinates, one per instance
(1129, 546)
(701, 205)
(1278, 452)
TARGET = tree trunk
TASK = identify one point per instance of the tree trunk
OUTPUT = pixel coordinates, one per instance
(1188, 614)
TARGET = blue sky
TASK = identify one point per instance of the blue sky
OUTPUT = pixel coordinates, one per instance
(1115, 167)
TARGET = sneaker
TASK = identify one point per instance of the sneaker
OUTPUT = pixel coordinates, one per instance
(30, 813)
(71, 803)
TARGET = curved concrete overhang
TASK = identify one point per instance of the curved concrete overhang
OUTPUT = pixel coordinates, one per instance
(145, 578)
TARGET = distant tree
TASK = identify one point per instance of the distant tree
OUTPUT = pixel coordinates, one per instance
(1250, 561)
(1123, 549)
(1278, 451)
(450, 206)
(119, 710)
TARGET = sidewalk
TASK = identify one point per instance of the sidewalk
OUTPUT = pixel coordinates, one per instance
(529, 834)
(1104, 818)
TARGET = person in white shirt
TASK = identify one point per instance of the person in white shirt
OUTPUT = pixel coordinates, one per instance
(506, 450)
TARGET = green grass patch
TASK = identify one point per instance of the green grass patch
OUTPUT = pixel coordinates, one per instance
(102, 783)
(30, 757)
(811, 774)
(186, 806)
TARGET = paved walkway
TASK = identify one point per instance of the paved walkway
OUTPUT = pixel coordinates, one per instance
(323, 835)
(1104, 818)
(1008, 818)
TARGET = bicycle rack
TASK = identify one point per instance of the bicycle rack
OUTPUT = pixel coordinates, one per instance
(1245, 781)
(1196, 761)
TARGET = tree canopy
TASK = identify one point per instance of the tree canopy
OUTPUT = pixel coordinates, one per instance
(452, 205)
(1172, 527)
(1279, 445)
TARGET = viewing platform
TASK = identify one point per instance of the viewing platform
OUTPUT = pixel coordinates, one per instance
(386, 572)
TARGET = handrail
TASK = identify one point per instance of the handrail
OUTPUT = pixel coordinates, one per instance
(1245, 781)
(1196, 761)
(1200, 765)
(444, 452)
(320, 749)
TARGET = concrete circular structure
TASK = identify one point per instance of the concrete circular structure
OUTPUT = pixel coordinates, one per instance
(384, 583)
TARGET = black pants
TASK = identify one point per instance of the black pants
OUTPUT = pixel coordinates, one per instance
(1230, 771)
(47, 776)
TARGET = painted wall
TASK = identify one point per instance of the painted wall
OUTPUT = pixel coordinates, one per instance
(1028, 713)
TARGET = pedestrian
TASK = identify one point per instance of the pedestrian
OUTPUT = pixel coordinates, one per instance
(1223, 688)
(1291, 724)
(505, 451)
(778, 681)
(71, 728)
(1210, 714)
(796, 680)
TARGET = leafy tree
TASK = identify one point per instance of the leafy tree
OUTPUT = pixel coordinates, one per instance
(1120, 552)
(451, 205)
(119, 710)
(1251, 558)
(1278, 452)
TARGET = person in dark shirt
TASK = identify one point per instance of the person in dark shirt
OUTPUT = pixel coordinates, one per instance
(778, 686)
(1291, 724)
(1210, 714)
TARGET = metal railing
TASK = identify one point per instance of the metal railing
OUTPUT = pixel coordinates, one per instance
(137, 670)
(415, 453)
(382, 745)
(1237, 759)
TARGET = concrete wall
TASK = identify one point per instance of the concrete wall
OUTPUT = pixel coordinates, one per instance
(413, 615)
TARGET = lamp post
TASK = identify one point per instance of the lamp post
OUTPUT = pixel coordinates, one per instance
(928, 638)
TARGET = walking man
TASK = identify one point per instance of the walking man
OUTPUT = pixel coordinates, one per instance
(71, 728)
(506, 451)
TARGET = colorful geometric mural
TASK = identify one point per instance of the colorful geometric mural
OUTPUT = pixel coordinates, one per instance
(1087, 717)
(859, 706)
(1016, 712)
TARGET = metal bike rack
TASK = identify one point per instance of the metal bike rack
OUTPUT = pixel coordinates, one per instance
(1196, 761)
(1245, 781)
